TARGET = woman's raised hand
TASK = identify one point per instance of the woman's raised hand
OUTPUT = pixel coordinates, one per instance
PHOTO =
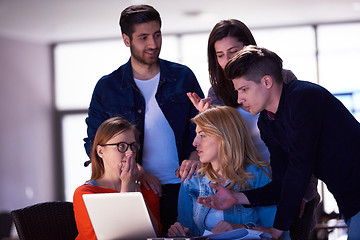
(200, 104)
(128, 173)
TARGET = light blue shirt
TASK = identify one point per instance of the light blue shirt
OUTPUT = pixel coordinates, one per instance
(193, 215)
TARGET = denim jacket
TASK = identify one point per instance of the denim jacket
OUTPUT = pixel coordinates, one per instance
(192, 214)
(116, 94)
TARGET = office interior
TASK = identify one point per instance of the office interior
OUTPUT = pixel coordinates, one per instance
(48, 49)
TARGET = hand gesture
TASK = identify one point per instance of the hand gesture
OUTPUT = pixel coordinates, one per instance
(150, 182)
(200, 104)
(187, 169)
(177, 230)
(221, 200)
(128, 173)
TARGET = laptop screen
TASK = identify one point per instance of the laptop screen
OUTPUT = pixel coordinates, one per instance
(119, 215)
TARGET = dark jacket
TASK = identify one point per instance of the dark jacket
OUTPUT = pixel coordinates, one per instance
(311, 133)
(116, 94)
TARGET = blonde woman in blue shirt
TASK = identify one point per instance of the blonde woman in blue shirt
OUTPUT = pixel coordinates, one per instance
(228, 158)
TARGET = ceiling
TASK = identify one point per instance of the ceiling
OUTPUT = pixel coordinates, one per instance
(53, 21)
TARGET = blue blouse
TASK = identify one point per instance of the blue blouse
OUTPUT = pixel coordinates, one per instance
(193, 215)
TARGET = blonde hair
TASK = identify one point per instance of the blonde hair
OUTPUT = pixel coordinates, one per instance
(236, 149)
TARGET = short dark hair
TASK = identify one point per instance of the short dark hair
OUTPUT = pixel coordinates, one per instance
(136, 14)
(253, 63)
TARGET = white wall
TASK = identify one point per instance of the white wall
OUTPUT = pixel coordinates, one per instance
(26, 142)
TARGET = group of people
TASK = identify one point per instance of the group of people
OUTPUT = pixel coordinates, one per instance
(247, 156)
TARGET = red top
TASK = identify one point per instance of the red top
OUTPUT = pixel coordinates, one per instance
(83, 223)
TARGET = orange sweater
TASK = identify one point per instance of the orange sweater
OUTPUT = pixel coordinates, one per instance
(83, 223)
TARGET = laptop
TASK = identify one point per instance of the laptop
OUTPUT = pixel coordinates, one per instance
(119, 216)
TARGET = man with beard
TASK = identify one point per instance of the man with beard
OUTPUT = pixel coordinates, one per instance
(151, 93)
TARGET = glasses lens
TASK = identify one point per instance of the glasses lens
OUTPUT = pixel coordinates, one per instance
(122, 147)
(135, 147)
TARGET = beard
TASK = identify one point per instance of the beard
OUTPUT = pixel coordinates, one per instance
(140, 56)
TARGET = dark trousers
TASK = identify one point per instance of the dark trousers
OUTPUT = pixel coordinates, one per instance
(168, 206)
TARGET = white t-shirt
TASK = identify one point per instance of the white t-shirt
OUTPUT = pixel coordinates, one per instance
(160, 157)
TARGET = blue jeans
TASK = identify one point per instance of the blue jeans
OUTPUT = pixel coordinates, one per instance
(354, 227)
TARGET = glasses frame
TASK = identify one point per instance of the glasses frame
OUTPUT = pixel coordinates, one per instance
(132, 145)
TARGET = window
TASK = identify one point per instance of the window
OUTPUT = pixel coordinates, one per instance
(295, 46)
(194, 55)
(75, 174)
(339, 54)
(78, 67)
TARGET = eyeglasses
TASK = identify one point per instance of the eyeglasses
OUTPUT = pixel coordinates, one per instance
(123, 146)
